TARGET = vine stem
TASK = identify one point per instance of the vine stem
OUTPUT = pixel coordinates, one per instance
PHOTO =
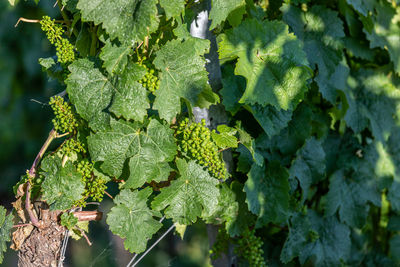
(32, 21)
(32, 174)
(21, 225)
(52, 136)
(88, 215)
(110, 196)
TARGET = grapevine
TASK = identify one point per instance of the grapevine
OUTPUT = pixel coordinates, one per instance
(303, 97)
(194, 141)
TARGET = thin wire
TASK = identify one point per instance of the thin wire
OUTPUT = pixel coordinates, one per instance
(154, 244)
(63, 248)
(134, 257)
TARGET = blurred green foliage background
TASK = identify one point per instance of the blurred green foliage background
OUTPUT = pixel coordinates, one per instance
(25, 121)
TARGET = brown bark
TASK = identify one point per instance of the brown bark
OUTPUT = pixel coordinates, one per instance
(42, 247)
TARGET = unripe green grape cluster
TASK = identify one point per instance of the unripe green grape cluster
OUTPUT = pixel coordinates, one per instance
(65, 120)
(54, 32)
(220, 245)
(94, 186)
(150, 80)
(72, 145)
(194, 141)
(250, 248)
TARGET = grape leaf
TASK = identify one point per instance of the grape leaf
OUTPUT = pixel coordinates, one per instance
(350, 198)
(6, 224)
(129, 20)
(148, 153)
(271, 120)
(62, 185)
(183, 75)
(173, 8)
(321, 31)
(382, 32)
(298, 236)
(362, 6)
(271, 60)
(225, 138)
(132, 220)
(317, 241)
(193, 193)
(220, 10)
(243, 218)
(395, 247)
(309, 165)
(372, 100)
(267, 190)
(68, 220)
(90, 92)
(332, 246)
(226, 210)
(232, 89)
(130, 100)
(114, 57)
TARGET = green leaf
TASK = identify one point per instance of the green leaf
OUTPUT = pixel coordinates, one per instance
(220, 10)
(114, 57)
(393, 195)
(62, 185)
(173, 8)
(384, 33)
(290, 139)
(148, 152)
(183, 75)
(90, 92)
(395, 247)
(247, 141)
(68, 220)
(225, 138)
(237, 224)
(232, 89)
(321, 31)
(358, 49)
(309, 165)
(129, 20)
(310, 239)
(299, 229)
(271, 60)
(47, 63)
(6, 225)
(193, 193)
(372, 101)
(271, 119)
(350, 198)
(362, 6)
(267, 190)
(132, 219)
(130, 100)
(226, 210)
(333, 245)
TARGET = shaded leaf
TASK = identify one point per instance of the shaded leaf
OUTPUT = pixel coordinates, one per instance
(267, 191)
